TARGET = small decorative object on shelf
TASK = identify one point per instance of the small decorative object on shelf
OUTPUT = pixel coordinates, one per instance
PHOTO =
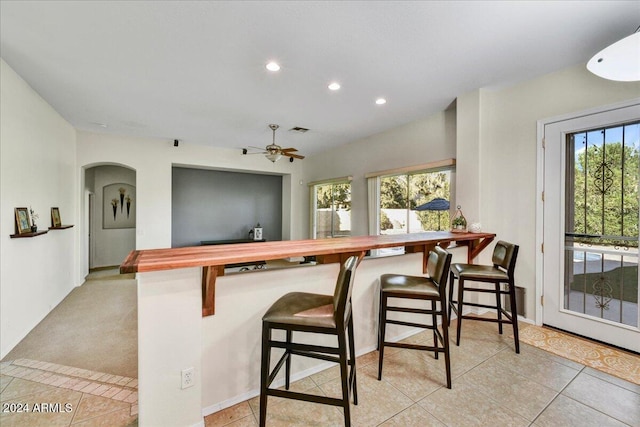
(458, 222)
(55, 217)
(23, 222)
(34, 216)
(257, 232)
(56, 222)
(24, 227)
(475, 227)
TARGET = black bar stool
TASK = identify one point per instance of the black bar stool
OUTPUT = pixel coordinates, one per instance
(432, 288)
(504, 264)
(323, 314)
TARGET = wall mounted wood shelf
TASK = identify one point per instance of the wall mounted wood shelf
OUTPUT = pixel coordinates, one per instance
(60, 227)
(30, 234)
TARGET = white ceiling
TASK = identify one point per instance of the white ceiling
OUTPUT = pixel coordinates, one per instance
(195, 70)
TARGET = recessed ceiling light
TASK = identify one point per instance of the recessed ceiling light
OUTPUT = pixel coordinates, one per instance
(273, 66)
(334, 86)
(381, 101)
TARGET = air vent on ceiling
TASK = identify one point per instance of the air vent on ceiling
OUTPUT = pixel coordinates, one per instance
(299, 129)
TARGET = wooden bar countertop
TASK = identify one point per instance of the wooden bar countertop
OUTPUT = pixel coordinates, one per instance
(213, 258)
(139, 261)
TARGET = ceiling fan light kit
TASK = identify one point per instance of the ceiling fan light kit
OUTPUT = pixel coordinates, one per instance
(274, 157)
(275, 152)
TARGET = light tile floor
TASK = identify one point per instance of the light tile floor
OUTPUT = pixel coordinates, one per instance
(34, 393)
(492, 386)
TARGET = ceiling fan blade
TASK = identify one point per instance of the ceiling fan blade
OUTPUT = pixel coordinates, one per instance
(288, 149)
(256, 148)
(295, 156)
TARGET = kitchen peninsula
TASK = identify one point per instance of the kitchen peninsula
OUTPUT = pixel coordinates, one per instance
(178, 289)
(214, 258)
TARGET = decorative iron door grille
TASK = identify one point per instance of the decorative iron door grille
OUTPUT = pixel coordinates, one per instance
(601, 223)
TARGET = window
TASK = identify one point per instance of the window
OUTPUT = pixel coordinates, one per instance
(331, 207)
(397, 196)
(401, 199)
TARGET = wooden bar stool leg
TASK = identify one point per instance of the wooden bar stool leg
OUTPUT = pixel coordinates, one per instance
(459, 313)
(514, 315)
(352, 356)
(445, 337)
(344, 375)
(434, 321)
(499, 307)
(287, 366)
(451, 281)
(264, 373)
(381, 329)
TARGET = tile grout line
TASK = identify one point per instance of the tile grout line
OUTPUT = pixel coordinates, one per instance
(558, 394)
(581, 371)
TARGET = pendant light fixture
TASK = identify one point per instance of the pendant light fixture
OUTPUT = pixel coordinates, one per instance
(620, 61)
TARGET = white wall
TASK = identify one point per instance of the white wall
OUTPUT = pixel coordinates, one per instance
(37, 158)
(468, 125)
(422, 141)
(152, 160)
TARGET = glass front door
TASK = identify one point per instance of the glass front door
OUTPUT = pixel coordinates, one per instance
(601, 223)
(590, 225)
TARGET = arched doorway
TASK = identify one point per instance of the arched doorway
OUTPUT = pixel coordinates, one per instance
(110, 204)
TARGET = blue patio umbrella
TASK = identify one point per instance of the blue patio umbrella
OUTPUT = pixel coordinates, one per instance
(437, 204)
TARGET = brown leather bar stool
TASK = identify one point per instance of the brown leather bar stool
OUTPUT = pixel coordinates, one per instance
(504, 264)
(431, 288)
(322, 314)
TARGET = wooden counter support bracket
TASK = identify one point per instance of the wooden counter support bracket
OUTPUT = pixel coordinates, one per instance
(209, 275)
(477, 246)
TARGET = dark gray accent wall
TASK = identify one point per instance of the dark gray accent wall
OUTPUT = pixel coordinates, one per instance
(221, 205)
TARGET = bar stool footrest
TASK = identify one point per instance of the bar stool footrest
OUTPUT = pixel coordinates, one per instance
(414, 346)
(415, 325)
(485, 319)
(305, 397)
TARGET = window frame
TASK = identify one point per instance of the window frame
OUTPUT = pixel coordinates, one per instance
(313, 198)
(374, 185)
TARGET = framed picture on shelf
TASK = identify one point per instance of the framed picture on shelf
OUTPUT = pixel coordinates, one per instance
(55, 217)
(23, 222)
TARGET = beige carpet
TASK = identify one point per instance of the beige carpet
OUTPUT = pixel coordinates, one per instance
(597, 356)
(95, 328)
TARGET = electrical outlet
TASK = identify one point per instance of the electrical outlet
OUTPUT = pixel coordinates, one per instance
(188, 379)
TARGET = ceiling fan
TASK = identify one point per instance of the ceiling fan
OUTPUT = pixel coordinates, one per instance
(274, 152)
